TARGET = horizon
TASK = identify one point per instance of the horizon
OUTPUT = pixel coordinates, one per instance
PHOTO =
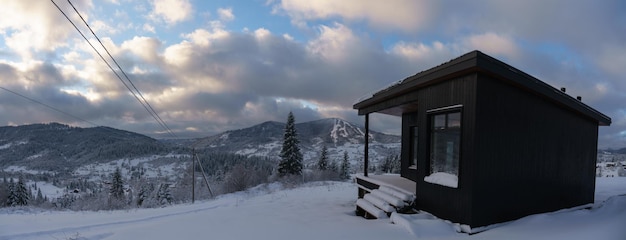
(184, 138)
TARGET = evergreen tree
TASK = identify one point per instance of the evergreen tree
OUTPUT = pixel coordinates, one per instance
(4, 191)
(18, 194)
(290, 155)
(12, 196)
(163, 195)
(344, 170)
(144, 193)
(117, 185)
(39, 198)
(322, 163)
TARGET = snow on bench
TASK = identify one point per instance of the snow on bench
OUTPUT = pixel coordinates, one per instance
(388, 198)
(392, 191)
(371, 209)
(379, 203)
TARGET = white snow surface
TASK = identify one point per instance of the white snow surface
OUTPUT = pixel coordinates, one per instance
(320, 210)
(8, 145)
(47, 189)
(24, 170)
(442, 178)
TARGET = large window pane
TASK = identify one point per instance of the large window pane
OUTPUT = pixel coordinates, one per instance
(454, 120)
(439, 121)
(445, 148)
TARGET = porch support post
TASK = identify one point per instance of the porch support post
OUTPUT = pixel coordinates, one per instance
(367, 141)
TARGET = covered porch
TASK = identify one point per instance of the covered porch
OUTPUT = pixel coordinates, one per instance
(381, 195)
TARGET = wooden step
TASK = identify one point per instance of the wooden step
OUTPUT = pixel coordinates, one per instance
(392, 200)
(370, 209)
(396, 193)
(379, 203)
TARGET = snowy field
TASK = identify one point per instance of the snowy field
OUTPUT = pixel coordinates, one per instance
(315, 211)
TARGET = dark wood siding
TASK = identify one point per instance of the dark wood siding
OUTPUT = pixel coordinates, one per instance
(408, 120)
(453, 204)
(531, 155)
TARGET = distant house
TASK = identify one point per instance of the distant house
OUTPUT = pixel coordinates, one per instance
(484, 143)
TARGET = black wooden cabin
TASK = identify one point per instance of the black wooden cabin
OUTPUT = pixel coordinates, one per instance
(487, 143)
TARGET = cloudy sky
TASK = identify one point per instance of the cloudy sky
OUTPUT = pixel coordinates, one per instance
(211, 66)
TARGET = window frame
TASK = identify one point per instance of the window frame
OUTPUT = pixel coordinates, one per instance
(447, 128)
(413, 146)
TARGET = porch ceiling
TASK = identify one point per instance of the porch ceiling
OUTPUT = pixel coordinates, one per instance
(394, 106)
(400, 109)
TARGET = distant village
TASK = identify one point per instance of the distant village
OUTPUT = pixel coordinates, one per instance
(611, 164)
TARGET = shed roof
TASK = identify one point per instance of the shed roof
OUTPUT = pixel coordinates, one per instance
(474, 61)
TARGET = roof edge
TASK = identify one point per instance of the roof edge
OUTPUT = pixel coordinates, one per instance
(481, 62)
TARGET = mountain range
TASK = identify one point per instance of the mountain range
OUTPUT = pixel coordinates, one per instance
(58, 147)
(337, 135)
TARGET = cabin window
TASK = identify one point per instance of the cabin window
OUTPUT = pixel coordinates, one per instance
(445, 145)
(414, 146)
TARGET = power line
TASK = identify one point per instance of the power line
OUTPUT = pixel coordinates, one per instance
(122, 70)
(50, 107)
(152, 113)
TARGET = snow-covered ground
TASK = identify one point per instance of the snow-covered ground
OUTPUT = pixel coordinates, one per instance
(25, 170)
(95, 171)
(47, 189)
(315, 211)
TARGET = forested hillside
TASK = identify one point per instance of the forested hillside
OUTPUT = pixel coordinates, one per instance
(55, 146)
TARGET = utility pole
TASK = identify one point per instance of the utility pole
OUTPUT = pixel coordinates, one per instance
(193, 175)
(194, 158)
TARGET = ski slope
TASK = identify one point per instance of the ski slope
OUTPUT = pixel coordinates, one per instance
(321, 210)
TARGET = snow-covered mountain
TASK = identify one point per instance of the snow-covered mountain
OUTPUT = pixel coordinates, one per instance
(57, 147)
(337, 135)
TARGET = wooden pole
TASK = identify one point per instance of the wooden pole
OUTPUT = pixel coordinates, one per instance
(367, 141)
(193, 175)
(204, 176)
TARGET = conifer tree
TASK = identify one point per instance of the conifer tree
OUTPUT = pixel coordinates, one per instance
(39, 198)
(12, 197)
(290, 155)
(18, 194)
(163, 195)
(344, 170)
(117, 185)
(322, 163)
(4, 191)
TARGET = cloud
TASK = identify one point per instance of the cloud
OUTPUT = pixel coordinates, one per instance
(493, 44)
(171, 11)
(102, 27)
(30, 26)
(148, 28)
(144, 47)
(225, 14)
(232, 79)
(404, 15)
